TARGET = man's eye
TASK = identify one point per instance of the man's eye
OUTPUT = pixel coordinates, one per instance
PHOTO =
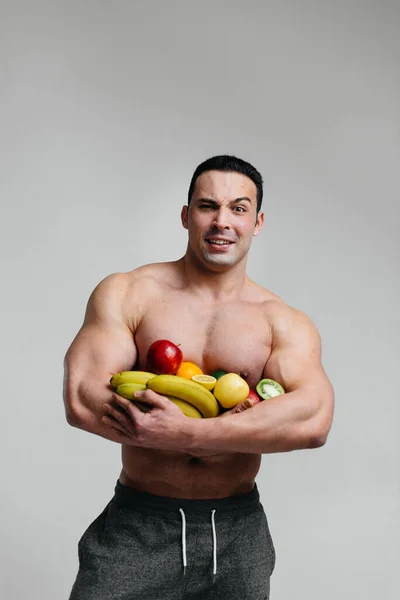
(240, 209)
(206, 206)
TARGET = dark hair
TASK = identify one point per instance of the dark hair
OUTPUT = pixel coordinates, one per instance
(227, 162)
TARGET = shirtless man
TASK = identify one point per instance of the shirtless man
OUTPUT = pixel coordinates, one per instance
(186, 521)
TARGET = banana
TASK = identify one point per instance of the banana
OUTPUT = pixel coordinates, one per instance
(127, 390)
(188, 409)
(185, 389)
(130, 377)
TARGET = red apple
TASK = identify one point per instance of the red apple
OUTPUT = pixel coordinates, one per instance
(253, 397)
(164, 358)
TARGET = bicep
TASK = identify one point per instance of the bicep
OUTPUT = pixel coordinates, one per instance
(103, 346)
(295, 359)
(100, 350)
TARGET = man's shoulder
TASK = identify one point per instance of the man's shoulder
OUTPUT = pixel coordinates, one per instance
(270, 301)
(287, 322)
(144, 279)
(126, 296)
(281, 315)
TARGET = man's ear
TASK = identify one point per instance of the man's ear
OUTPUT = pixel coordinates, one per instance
(259, 224)
(184, 216)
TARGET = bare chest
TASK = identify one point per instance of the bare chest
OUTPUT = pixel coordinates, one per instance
(234, 337)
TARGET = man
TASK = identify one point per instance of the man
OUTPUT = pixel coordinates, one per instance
(186, 520)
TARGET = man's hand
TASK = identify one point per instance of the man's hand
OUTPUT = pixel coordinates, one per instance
(244, 405)
(154, 422)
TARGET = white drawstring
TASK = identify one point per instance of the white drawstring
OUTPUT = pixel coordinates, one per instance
(214, 542)
(183, 539)
(214, 534)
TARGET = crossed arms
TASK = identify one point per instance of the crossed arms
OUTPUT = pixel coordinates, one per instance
(105, 345)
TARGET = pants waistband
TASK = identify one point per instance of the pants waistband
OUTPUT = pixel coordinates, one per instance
(231, 506)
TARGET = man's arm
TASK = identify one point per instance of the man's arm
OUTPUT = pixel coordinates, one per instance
(103, 346)
(299, 419)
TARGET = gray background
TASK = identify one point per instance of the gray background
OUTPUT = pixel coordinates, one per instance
(106, 109)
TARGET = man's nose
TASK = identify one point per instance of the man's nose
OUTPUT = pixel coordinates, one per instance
(221, 219)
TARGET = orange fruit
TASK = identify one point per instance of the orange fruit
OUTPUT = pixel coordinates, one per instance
(188, 369)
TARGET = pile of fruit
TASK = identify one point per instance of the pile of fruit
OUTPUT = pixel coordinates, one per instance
(198, 395)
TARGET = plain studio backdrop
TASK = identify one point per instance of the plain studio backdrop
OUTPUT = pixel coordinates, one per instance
(106, 110)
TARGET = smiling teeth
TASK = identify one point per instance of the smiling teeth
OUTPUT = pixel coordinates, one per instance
(219, 242)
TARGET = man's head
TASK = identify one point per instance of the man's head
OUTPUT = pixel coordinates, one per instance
(231, 164)
(223, 211)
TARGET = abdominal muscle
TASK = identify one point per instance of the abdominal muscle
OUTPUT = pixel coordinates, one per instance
(181, 475)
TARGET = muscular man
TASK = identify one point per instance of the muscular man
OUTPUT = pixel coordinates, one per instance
(186, 521)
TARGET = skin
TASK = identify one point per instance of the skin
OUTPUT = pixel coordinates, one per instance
(222, 320)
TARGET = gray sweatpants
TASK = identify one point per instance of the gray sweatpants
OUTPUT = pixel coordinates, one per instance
(147, 547)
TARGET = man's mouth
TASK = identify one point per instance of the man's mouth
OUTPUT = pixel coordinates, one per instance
(218, 242)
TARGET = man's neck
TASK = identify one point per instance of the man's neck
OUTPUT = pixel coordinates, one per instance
(215, 285)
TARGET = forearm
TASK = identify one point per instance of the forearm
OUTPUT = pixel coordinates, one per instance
(281, 424)
(84, 410)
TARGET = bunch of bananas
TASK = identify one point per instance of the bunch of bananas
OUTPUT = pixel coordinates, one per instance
(191, 397)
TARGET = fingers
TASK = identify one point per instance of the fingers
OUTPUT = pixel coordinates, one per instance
(115, 425)
(152, 398)
(131, 411)
(129, 414)
(115, 434)
(242, 406)
(118, 414)
(117, 419)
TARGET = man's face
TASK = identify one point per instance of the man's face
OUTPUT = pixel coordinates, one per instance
(222, 218)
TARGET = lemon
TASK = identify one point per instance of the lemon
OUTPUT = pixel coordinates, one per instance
(231, 389)
(207, 381)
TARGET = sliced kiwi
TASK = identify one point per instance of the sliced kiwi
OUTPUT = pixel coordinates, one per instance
(268, 388)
